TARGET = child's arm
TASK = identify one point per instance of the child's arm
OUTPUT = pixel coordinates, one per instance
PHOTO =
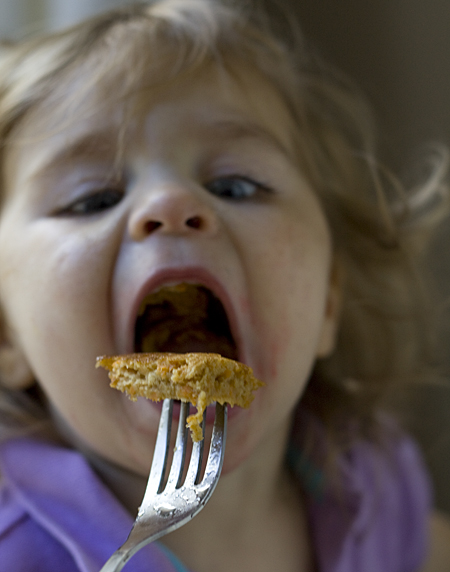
(439, 558)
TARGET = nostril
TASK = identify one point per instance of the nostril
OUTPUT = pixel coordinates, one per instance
(151, 226)
(194, 222)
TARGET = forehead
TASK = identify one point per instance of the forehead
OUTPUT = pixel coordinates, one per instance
(84, 117)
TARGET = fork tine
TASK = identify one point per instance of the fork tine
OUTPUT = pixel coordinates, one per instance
(176, 471)
(217, 448)
(161, 452)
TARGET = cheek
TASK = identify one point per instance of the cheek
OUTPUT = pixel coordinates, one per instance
(290, 282)
(55, 291)
(48, 270)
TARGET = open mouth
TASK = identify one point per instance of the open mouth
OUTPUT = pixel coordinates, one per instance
(184, 318)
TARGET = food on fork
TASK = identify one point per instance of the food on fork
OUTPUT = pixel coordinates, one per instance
(199, 378)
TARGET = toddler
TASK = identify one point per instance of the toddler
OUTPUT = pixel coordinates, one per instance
(185, 142)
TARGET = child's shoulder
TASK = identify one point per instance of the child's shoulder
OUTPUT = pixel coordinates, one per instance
(11, 514)
(372, 512)
(24, 545)
(56, 514)
(38, 498)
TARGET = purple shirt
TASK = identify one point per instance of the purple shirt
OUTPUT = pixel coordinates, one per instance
(56, 515)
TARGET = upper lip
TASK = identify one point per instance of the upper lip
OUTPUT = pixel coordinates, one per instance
(191, 275)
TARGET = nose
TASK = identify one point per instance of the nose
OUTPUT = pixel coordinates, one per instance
(172, 210)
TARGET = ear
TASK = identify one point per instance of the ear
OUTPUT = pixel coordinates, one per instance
(333, 307)
(15, 373)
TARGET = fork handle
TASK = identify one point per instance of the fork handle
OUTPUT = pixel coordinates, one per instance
(116, 562)
(141, 534)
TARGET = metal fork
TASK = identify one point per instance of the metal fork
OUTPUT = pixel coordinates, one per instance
(168, 505)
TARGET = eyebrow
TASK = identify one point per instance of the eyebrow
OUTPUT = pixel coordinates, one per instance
(88, 146)
(91, 144)
(242, 129)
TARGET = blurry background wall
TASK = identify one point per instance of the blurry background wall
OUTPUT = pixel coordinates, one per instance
(399, 53)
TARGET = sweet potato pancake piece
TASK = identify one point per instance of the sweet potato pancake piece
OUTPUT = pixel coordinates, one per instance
(200, 378)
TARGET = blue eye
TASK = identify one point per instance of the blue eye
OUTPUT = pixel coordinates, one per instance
(93, 203)
(235, 187)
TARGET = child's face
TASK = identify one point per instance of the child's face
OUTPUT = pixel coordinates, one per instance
(207, 191)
